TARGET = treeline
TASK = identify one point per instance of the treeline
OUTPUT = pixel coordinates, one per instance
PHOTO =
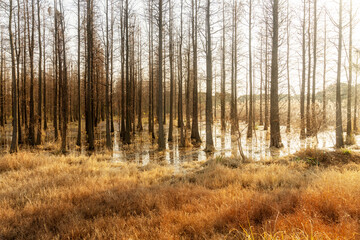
(130, 58)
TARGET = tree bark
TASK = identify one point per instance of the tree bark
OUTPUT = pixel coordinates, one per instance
(195, 122)
(209, 109)
(14, 141)
(349, 131)
(303, 80)
(275, 137)
(161, 139)
(250, 119)
(78, 139)
(339, 127)
(171, 59)
(39, 132)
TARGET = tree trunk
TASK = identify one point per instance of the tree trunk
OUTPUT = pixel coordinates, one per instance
(90, 77)
(31, 137)
(223, 73)
(303, 80)
(56, 74)
(209, 138)
(180, 101)
(112, 67)
(2, 94)
(161, 140)
(107, 83)
(39, 132)
(314, 126)
(339, 127)
(171, 59)
(349, 132)
(44, 74)
(266, 126)
(14, 141)
(308, 114)
(195, 123)
(275, 138)
(64, 86)
(233, 107)
(288, 67)
(250, 119)
(78, 139)
(324, 74)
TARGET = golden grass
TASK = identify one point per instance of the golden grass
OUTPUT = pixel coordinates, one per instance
(68, 197)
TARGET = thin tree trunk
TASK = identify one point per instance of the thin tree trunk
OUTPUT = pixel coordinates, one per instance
(14, 141)
(223, 73)
(313, 107)
(195, 123)
(250, 119)
(308, 99)
(339, 127)
(112, 67)
(139, 124)
(324, 74)
(209, 110)
(171, 59)
(288, 67)
(31, 137)
(90, 76)
(303, 80)
(161, 140)
(180, 101)
(356, 98)
(44, 74)
(261, 120)
(2, 95)
(266, 126)
(107, 83)
(349, 133)
(78, 140)
(18, 53)
(39, 132)
(64, 86)
(275, 137)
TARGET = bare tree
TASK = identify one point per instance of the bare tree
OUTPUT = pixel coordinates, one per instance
(349, 131)
(64, 82)
(195, 124)
(161, 140)
(89, 77)
(31, 136)
(39, 130)
(288, 67)
(303, 81)
(223, 72)
(180, 100)
(107, 83)
(250, 70)
(209, 109)
(339, 128)
(171, 59)
(313, 106)
(275, 137)
(14, 141)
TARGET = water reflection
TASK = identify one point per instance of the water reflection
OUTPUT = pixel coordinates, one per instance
(144, 149)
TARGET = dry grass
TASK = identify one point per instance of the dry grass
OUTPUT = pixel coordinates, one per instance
(67, 197)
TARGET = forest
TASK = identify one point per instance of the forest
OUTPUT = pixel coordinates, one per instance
(179, 119)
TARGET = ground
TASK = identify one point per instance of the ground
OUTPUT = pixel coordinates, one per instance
(309, 195)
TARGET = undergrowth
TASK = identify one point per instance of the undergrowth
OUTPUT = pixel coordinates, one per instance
(310, 195)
